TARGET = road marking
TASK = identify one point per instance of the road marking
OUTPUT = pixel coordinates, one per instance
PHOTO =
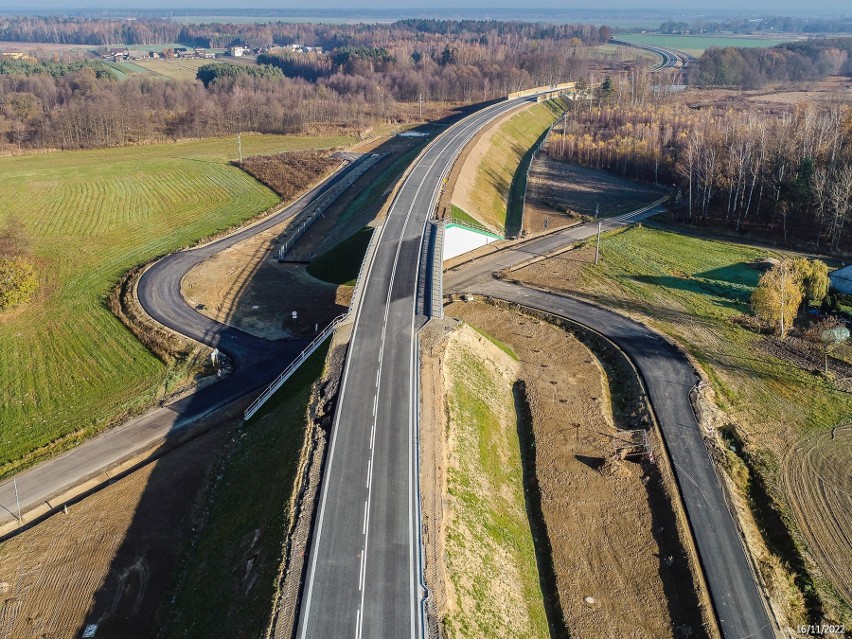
(358, 624)
(369, 475)
(364, 531)
(361, 573)
(375, 404)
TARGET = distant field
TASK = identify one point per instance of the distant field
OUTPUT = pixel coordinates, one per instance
(174, 69)
(68, 366)
(696, 45)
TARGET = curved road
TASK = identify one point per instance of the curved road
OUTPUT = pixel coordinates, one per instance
(669, 377)
(256, 362)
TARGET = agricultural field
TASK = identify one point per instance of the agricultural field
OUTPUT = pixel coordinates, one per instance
(697, 44)
(69, 367)
(173, 68)
(694, 290)
(492, 181)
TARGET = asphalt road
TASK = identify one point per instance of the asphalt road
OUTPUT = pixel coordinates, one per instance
(363, 576)
(669, 378)
(256, 363)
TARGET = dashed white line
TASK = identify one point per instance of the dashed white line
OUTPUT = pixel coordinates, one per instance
(364, 532)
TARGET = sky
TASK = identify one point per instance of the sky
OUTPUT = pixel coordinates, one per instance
(774, 7)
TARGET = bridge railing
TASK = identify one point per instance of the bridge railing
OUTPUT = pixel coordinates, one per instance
(291, 368)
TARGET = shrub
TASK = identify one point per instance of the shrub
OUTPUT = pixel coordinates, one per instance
(17, 282)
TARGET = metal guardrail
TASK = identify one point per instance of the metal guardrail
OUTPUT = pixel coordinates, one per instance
(324, 201)
(291, 368)
(359, 280)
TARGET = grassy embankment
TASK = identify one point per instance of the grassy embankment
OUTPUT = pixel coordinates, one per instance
(490, 555)
(499, 182)
(696, 45)
(341, 263)
(226, 579)
(692, 290)
(69, 368)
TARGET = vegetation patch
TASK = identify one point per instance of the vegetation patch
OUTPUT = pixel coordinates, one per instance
(490, 554)
(501, 345)
(289, 174)
(341, 264)
(69, 367)
(228, 573)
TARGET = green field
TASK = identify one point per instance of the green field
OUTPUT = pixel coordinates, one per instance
(696, 45)
(489, 550)
(69, 368)
(494, 199)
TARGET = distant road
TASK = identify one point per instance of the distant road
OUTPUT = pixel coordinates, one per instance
(669, 377)
(669, 58)
(256, 362)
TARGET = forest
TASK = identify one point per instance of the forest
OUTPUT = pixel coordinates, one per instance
(782, 174)
(752, 68)
(361, 78)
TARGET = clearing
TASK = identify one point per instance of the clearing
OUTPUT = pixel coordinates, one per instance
(561, 193)
(694, 290)
(604, 530)
(492, 181)
(69, 367)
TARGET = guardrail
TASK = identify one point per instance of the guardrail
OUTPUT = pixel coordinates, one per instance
(321, 204)
(365, 264)
(291, 368)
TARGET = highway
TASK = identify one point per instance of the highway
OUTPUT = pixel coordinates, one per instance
(256, 363)
(363, 573)
(668, 377)
(669, 58)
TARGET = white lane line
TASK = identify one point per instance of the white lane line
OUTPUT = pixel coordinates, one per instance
(369, 477)
(375, 404)
(364, 531)
(358, 624)
(476, 122)
(361, 572)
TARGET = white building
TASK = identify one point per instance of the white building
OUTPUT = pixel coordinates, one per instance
(239, 52)
(841, 280)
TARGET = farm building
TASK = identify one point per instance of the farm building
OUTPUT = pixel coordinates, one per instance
(841, 280)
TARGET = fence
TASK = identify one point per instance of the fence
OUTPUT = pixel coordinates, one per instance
(285, 375)
(321, 204)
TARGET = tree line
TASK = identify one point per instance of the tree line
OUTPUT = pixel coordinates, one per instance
(79, 103)
(781, 174)
(752, 68)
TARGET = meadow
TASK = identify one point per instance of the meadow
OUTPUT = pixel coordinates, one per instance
(697, 44)
(69, 368)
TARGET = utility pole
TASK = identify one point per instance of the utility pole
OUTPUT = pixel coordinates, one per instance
(240, 146)
(598, 245)
(420, 102)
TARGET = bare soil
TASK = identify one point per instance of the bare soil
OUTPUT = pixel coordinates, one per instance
(562, 193)
(609, 523)
(821, 498)
(99, 563)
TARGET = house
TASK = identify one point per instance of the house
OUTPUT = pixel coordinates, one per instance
(116, 55)
(139, 55)
(238, 51)
(841, 280)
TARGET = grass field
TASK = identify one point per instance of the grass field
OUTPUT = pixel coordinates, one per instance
(693, 290)
(501, 170)
(231, 568)
(696, 45)
(489, 550)
(174, 69)
(69, 368)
